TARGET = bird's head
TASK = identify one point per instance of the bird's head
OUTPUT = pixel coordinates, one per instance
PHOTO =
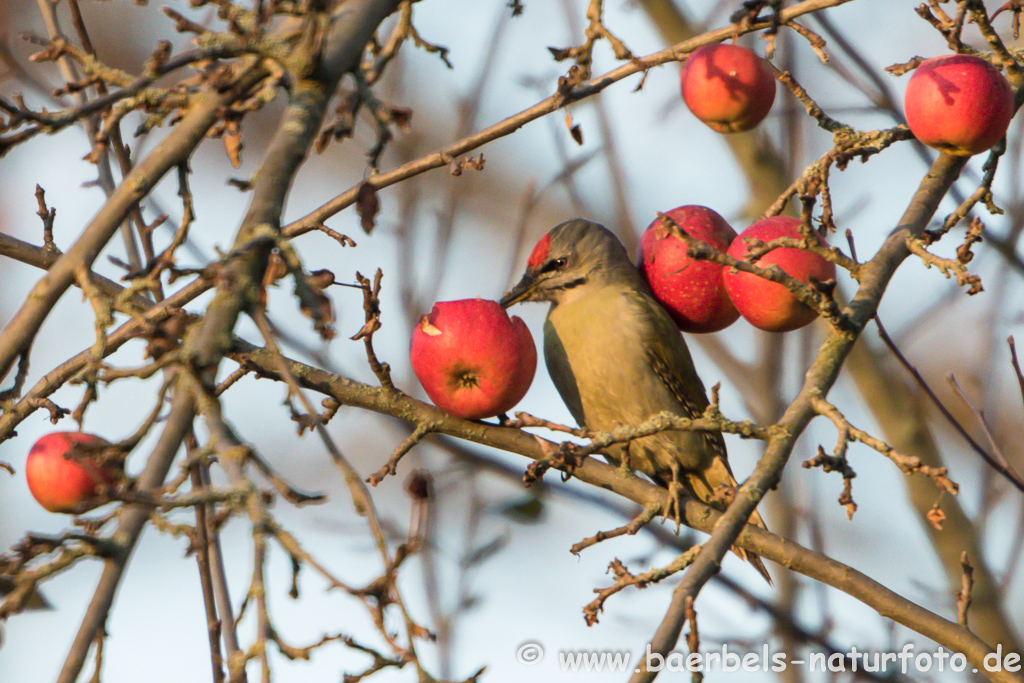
(571, 257)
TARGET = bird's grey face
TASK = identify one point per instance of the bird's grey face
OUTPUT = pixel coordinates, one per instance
(567, 258)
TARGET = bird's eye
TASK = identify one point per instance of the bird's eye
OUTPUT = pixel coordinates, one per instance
(554, 264)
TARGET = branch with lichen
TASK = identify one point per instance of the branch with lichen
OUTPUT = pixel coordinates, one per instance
(819, 379)
(364, 504)
(949, 27)
(26, 578)
(982, 194)
(948, 267)
(131, 94)
(756, 249)
(848, 144)
(624, 579)
(583, 54)
(1002, 54)
(567, 455)
(908, 464)
(397, 404)
(597, 473)
(403, 31)
(458, 148)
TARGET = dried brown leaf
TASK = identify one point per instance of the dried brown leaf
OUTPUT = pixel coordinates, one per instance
(367, 205)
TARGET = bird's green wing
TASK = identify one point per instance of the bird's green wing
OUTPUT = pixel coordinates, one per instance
(671, 361)
(561, 373)
(668, 354)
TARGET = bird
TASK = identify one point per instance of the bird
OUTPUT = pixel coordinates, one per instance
(617, 358)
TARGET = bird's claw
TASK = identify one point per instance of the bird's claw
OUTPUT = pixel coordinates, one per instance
(673, 508)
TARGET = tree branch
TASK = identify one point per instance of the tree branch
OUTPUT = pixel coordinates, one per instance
(17, 336)
(599, 474)
(551, 104)
(819, 379)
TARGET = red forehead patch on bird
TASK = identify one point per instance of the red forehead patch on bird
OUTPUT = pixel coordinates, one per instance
(540, 253)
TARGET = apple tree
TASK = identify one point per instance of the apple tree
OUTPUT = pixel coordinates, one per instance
(260, 202)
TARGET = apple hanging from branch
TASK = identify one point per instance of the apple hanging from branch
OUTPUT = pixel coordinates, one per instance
(64, 473)
(691, 290)
(765, 304)
(959, 104)
(728, 87)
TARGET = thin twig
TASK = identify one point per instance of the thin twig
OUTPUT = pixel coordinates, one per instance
(942, 408)
(391, 467)
(636, 524)
(1001, 464)
(908, 464)
(469, 143)
(963, 597)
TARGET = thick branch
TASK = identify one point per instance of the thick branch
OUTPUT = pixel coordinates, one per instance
(351, 29)
(596, 473)
(819, 379)
(590, 470)
(178, 424)
(147, 317)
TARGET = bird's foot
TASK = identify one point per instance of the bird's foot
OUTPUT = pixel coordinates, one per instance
(673, 508)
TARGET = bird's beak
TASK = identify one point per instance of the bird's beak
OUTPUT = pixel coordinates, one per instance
(521, 292)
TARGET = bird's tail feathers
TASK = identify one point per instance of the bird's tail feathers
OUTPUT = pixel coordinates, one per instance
(705, 487)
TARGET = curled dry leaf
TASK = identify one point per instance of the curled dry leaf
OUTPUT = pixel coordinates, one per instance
(165, 337)
(418, 485)
(368, 329)
(276, 269)
(322, 278)
(233, 143)
(574, 129)
(367, 205)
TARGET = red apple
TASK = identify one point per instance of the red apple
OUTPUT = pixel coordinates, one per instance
(472, 359)
(958, 104)
(59, 482)
(691, 290)
(728, 87)
(765, 304)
